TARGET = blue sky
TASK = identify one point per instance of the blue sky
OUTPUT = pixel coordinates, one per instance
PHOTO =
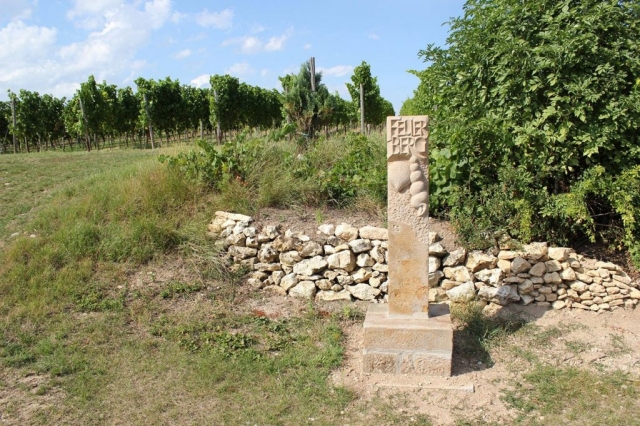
(51, 46)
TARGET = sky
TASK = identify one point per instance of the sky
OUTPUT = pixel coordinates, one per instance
(51, 46)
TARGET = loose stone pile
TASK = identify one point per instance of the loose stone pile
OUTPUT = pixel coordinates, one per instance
(344, 262)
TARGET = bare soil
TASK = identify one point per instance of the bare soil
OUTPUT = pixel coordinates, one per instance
(600, 342)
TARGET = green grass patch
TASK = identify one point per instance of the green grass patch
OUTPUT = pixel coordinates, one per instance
(480, 333)
(550, 394)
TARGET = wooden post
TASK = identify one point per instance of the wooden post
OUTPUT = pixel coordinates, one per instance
(86, 125)
(218, 132)
(201, 130)
(312, 68)
(146, 110)
(13, 120)
(362, 109)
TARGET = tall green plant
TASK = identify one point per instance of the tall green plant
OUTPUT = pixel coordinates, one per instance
(549, 87)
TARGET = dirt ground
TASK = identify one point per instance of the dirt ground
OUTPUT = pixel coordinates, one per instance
(474, 390)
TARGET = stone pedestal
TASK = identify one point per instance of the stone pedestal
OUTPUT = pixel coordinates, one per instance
(408, 336)
(408, 344)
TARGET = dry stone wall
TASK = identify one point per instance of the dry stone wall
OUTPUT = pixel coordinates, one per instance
(344, 263)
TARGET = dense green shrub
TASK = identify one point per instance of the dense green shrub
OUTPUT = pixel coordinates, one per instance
(276, 173)
(548, 89)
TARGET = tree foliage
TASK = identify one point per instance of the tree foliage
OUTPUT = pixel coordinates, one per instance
(542, 94)
(307, 109)
(376, 108)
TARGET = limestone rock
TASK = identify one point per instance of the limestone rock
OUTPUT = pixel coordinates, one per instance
(559, 304)
(525, 287)
(437, 250)
(477, 260)
(271, 232)
(361, 275)
(622, 278)
(559, 253)
(437, 295)
(238, 240)
(433, 237)
(242, 252)
(434, 263)
(373, 233)
(255, 283)
(568, 275)
(304, 289)
(289, 281)
(501, 295)
(536, 251)
(552, 278)
(538, 270)
(504, 265)
(519, 264)
(455, 258)
(330, 295)
(345, 280)
(327, 229)
(310, 249)
(324, 284)
(607, 265)
(462, 293)
(381, 267)
(342, 260)
(375, 281)
(553, 266)
(277, 276)
(360, 245)
(489, 276)
(507, 255)
(234, 216)
(634, 293)
(434, 278)
(363, 291)
(364, 260)
(346, 232)
(290, 258)
(268, 267)
(457, 273)
(449, 284)
(377, 253)
(526, 299)
(283, 243)
(267, 255)
(310, 266)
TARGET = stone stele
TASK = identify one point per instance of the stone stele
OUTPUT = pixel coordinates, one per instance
(408, 336)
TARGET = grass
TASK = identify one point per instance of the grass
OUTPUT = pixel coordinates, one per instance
(118, 310)
(84, 306)
(550, 394)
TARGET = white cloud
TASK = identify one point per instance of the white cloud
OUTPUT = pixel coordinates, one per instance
(307, 46)
(30, 56)
(220, 20)
(264, 72)
(337, 71)
(177, 17)
(22, 44)
(201, 80)
(240, 69)
(252, 44)
(276, 43)
(256, 28)
(182, 54)
(15, 9)
(374, 36)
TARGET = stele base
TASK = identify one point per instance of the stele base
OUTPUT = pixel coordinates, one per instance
(408, 344)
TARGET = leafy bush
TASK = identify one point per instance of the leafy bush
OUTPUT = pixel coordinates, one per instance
(261, 172)
(550, 89)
